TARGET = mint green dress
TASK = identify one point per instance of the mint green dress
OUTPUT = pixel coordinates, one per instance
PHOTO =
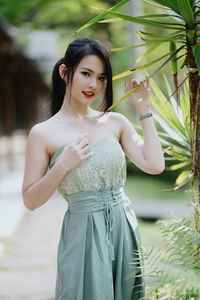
(96, 257)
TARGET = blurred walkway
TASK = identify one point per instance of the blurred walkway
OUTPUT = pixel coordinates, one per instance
(28, 266)
(28, 240)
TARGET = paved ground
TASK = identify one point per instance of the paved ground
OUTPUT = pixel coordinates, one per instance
(28, 264)
(28, 240)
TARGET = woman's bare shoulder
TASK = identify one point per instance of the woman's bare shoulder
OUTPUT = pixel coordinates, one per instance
(42, 128)
(118, 118)
(41, 132)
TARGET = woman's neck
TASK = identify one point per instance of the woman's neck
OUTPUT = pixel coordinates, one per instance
(77, 110)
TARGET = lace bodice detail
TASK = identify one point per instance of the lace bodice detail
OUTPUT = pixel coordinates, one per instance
(106, 166)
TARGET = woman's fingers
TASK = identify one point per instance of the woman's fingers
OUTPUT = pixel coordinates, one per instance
(142, 82)
(83, 143)
(79, 139)
(88, 154)
(126, 87)
(85, 153)
(147, 85)
(134, 83)
(84, 147)
(85, 150)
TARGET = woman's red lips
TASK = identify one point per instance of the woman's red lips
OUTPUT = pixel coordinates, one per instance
(88, 94)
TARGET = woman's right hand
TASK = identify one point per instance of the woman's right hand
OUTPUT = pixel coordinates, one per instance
(75, 153)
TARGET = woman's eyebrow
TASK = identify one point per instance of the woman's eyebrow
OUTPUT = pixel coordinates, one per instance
(91, 70)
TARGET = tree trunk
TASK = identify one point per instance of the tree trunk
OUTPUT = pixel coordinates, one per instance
(194, 88)
(198, 143)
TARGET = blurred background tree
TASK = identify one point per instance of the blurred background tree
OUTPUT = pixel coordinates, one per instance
(20, 23)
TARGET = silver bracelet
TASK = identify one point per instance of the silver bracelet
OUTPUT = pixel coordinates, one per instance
(146, 116)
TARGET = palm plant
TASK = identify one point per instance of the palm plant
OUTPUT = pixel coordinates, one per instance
(174, 130)
(173, 271)
(181, 19)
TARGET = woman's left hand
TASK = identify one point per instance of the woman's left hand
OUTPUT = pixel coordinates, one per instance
(141, 97)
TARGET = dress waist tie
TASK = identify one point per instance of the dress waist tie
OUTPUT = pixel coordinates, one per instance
(96, 199)
(108, 214)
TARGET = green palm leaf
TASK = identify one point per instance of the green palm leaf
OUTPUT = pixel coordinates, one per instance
(182, 177)
(144, 21)
(153, 47)
(154, 4)
(124, 74)
(179, 165)
(114, 20)
(142, 67)
(192, 3)
(183, 112)
(170, 4)
(166, 106)
(100, 16)
(186, 12)
(173, 36)
(176, 154)
(175, 123)
(196, 52)
(169, 138)
(127, 48)
(154, 16)
(179, 185)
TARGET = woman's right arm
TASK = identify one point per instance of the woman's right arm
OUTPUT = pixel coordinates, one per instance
(38, 184)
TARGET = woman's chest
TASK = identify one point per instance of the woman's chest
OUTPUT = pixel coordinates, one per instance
(62, 135)
(106, 166)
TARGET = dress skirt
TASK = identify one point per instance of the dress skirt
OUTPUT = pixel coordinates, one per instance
(97, 253)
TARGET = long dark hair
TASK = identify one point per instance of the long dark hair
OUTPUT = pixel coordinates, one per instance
(75, 52)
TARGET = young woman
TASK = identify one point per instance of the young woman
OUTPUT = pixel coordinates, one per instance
(84, 150)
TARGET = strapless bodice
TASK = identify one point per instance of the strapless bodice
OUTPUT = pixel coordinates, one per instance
(105, 167)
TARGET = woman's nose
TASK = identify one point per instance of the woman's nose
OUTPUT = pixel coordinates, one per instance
(93, 83)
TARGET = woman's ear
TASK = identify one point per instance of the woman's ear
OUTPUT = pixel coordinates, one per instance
(63, 72)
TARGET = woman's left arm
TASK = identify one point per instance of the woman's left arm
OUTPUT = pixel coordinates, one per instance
(147, 154)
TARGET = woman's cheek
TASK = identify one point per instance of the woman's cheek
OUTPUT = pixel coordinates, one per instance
(102, 85)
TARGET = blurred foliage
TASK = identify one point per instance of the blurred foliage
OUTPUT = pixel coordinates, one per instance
(153, 188)
(49, 13)
(61, 15)
(65, 17)
(172, 272)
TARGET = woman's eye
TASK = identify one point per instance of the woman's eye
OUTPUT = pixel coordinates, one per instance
(86, 74)
(102, 78)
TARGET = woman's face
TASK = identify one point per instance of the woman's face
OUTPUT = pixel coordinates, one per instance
(88, 80)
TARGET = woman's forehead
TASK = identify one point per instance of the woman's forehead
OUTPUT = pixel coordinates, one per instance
(92, 62)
